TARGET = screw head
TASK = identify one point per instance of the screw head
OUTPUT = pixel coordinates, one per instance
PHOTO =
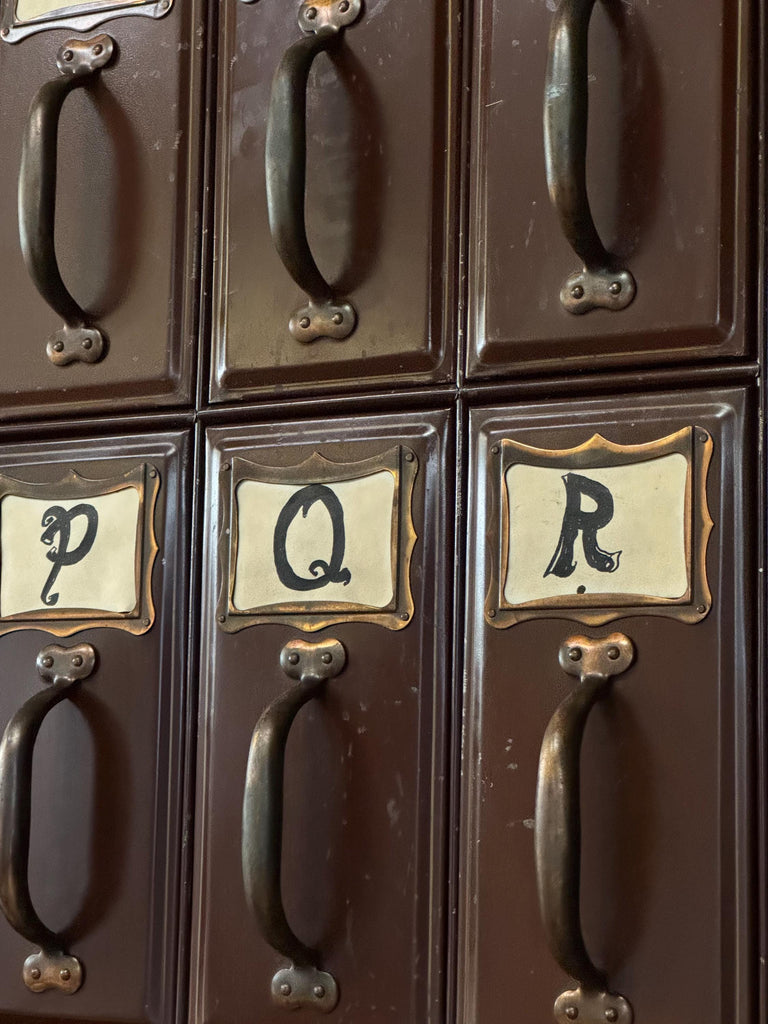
(35, 973)
(145, 621)
(614, 287)
(222, 618)
(613, 653)
(67, 55)
(701, 609)
(87, 343)
(305, 321)
(58, 346)
(77, 660)
(98, 49)
(153, 473)
(293, 658)
(491, 613)
(337, 318)
(571, 1012)
(4, 33)
(318, 991)
(285, 989)
(409, 456)
(311, 13)
(224, 467)
(64, 974)
(48, 661)
(611, 1014)
(405, 616)
(327, 658)
(575, 654)
(578, 293)
(495, 450)
(344, 6)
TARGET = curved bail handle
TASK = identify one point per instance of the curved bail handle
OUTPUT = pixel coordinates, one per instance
(285, 169)
(303, 984)
(601, 284)
(557, 834)
(78, 60)
(52, 967)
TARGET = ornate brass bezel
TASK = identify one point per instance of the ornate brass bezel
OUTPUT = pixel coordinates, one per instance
(694, 443)
(146, 480)
(401, 462)
(80, 17)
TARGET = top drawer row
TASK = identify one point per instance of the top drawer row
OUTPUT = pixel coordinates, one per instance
(299, 214)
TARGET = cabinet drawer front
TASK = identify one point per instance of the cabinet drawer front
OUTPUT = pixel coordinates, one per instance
(106, 787)
(363, 806)
(666, 760)
(668, 189)
(126, 220)
(380, 205)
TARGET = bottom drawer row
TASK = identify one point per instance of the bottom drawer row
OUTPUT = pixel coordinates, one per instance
(567, 834)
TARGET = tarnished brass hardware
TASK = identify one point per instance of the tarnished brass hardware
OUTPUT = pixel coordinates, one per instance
(78, 60)
(285, 160)
(52, 966)
(262, 840)
(17, 23)
(601, 284)
(557, 830)
(297, 987)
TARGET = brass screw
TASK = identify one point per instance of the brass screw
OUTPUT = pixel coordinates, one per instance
(311, 13)
(285, 989)
(224, 467)
(611, 1014)
(77, 660)
(145, 621)
(491, 613)
(344, 6)
(222, 618)
(327, 658)
(337, 318)
(64, 974)
(318, 991)
(87, 342)
(575, 654)
(615, 287)
(35, 972)
(4, 32)
(405, 616)
(409, 456)
(613, 653)
(59, 346)
(98, 50)
(578, 293)
(67, 55)
(571, 1012)
(495, 450)
(305, 321)
(48, 661)
(293, 658)
(701, 609)
(153, 473)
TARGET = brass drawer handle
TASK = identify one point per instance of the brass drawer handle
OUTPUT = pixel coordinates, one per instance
(302, 984)
(52, 967)
(557, 832)
(78, 61)
(286, 152)
(601, 284)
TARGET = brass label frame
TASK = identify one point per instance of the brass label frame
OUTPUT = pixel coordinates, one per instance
(694, 443)
(145, 479)
(80, 17)
(308, 616)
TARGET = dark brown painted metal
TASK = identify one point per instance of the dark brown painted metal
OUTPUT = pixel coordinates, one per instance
(363, 860)
(667, 762)
(127, 219)
(668, 172)
(380, 206)
(106, 826)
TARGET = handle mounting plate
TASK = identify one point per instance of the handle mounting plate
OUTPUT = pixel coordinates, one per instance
(336, 14)
(294, 988)
(610, 656)
(334, 320)
(307, 661)
(43, 971)
(84, 56)
(598, 289)
(592, 1008)
(66, 664)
